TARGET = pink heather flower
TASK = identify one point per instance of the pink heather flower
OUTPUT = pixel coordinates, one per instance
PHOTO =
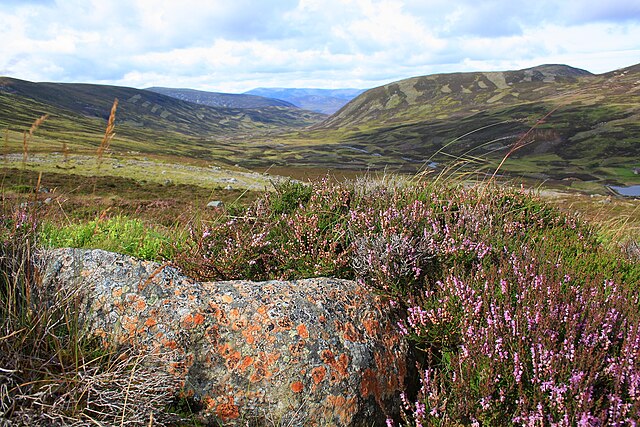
(403, 328)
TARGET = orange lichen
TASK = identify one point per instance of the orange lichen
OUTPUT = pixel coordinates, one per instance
(258, 374)
(327, 356)
(198, 319)
(141, 305)
(234, 313)
(227, 411)
(285, 323)
(219, 314)
(318, 374)
(339, 366)
(231, 356)
(369, 384)
(296, 349)
(187, 320)
(246, 362)
(372, 327)
(297, 387)
(227, 299)
(350, 333)
(239, 324)
(344, 408)
(130, 324)
(170, 344)
(151, 322)
(302, 331)
(269, 358)
(117, 293)
(250, 334)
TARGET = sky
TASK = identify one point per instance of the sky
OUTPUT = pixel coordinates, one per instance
(237, 45)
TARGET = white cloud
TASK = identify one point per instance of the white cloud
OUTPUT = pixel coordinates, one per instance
(234, 46)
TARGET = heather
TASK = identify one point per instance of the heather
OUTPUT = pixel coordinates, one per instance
(518, 313)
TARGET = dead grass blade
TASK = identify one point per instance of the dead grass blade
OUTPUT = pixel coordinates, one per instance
(109, 132)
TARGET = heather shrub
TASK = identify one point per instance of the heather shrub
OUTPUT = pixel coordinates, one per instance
(291, 233)
(520, 342)
(517, 313)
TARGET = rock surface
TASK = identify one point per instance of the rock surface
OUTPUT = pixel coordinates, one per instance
(307, 352)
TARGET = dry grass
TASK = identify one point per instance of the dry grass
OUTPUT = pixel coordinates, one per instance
(109, 132)
(52, 371)
(27, 136)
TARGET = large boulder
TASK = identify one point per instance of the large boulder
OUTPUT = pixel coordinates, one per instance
(306, 352)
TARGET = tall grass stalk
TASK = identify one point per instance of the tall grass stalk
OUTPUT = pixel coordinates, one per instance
(109, 132)
(27, 136)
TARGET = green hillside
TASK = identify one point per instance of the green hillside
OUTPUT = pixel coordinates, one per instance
(145, 121)
(591, 133)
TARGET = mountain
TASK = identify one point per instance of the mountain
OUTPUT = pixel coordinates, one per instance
(145, 121)
(217, 99)
(444, 95)
(569, 124)
(326, 101)
(149, 110)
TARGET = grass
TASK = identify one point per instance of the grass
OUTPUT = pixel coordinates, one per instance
(52, 371)
(466, 265)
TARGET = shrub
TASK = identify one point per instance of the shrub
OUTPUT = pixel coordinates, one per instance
(517, 313)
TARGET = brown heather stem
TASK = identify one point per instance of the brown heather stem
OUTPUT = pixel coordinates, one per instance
(6, 146)
(24, 149)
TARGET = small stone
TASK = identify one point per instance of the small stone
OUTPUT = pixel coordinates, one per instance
(215, 204)
(228, 187)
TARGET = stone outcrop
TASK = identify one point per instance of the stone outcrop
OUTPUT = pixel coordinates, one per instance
(306, 352)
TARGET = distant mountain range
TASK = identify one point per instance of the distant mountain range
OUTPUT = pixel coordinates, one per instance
(145, 121)
(326, 101)
(218, 99)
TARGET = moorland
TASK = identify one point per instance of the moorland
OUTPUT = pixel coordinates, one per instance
(465, 198)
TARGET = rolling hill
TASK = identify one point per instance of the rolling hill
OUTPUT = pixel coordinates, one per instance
(218, 99)
(145, 121)
(326, 101)
(571, 127)
(591, 133)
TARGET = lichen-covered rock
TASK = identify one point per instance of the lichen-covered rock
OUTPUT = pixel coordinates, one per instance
(307, 352)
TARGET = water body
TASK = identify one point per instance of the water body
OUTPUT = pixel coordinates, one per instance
(630, 191)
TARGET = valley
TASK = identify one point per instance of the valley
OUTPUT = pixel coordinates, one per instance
(482, 184)
(552, 125)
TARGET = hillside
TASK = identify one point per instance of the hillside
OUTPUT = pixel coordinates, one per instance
(326, 101)
(592, 133)
(218, 99)
(149, 110)
(446, 95)
(146, 122)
